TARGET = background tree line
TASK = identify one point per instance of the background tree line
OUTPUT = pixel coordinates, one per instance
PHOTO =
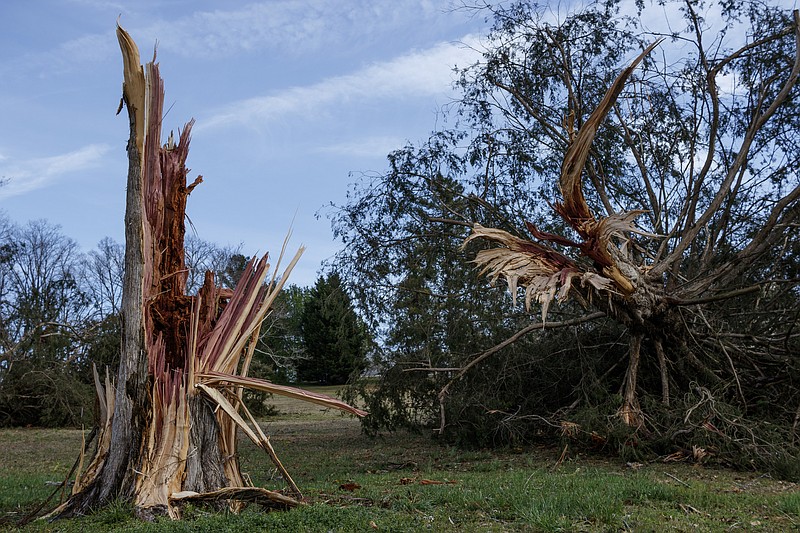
(59, 315)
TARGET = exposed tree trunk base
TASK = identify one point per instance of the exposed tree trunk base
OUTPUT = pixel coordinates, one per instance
(204, 462)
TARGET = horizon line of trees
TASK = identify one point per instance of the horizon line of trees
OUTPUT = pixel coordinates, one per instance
(60, 314)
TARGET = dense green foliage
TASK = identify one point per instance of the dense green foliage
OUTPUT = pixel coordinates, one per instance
(44, 314)
(334, 337)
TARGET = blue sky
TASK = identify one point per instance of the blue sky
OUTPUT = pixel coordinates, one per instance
(290, 98)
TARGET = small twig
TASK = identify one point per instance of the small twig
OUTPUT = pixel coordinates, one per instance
(676, 479)
(563, 456)
(752, 481)
(450, 221)
(689, 509)
(432, 369)
(354, 499)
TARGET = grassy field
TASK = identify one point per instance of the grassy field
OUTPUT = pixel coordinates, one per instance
(403, 482)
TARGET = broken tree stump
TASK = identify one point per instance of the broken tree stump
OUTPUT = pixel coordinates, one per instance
(169, 423)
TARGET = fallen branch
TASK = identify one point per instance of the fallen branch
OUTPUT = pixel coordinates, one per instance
(263, 497)
(676, 479)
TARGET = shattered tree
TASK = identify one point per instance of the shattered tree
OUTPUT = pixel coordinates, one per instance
(168, 424)
(646, 292)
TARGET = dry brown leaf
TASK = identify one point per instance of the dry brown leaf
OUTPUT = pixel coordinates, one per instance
(569, 429)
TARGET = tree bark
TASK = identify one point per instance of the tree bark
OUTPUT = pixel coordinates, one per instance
(204, 470)
(127, 423)
(662, 365)
(631, 412)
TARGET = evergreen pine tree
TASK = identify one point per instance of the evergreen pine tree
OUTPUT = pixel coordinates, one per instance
(335, 337)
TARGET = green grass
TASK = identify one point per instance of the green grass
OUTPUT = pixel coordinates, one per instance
(31, 459)
(479, 490)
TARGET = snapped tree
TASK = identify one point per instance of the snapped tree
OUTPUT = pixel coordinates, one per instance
(659, 206)
(722, 200)
(168, 423)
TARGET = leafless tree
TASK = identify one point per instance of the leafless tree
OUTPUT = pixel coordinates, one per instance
(102, 276)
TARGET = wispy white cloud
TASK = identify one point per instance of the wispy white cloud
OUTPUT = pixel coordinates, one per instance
(88, 48)
(100, 5)
(420, 73)
(292, 26)
(364, 147)
(70, 55)
(28, 175)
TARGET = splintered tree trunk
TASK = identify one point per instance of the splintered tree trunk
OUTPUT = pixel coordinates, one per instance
(168, 427)
(612, 282)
